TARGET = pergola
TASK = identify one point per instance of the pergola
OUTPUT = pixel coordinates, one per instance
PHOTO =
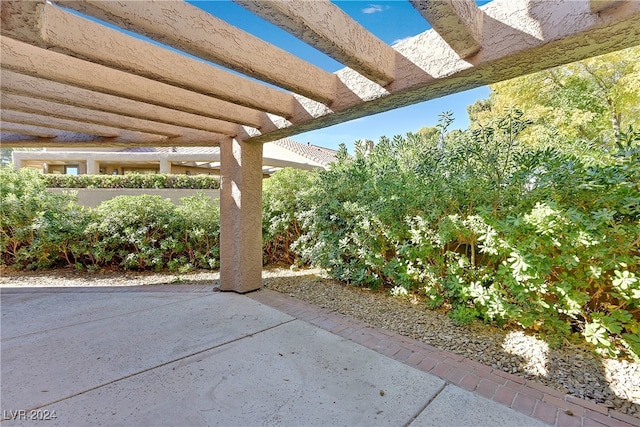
(70, 81)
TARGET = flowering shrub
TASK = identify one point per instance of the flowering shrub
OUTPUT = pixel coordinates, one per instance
(41, 229)
(283, 196)
(490, 230)
(38, 227)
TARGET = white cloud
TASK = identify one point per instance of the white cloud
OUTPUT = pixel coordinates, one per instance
(373, 8)
(395, 42)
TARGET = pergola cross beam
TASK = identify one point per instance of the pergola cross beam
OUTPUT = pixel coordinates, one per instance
(35, 87)
(340, 37)
(213, 39)
(456, 21)
(34, 61)
(43, 107)
(48, 26)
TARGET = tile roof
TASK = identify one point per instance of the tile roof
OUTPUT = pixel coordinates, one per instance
(139, 150)
(321, 155)
(181, 150)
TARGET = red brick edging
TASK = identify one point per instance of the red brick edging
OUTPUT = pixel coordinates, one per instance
(525, 396)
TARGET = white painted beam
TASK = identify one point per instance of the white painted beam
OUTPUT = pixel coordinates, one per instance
(24, 58)
(12, 82)
(209, 157)
(212, 159)
(118, 156)
(457, 22)
(47, 26)
(326, 27)
(280, 163)
(212, 39)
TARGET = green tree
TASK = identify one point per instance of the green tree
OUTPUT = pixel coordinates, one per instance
(428, 132)
(593, 100)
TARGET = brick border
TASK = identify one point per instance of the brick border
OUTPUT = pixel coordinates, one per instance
(525, 396)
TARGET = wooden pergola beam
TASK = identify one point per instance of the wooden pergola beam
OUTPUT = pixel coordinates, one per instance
(339, 36)
(457, 22)
(35, 87)
(47, 121)
(60, 139)
(188, 138)
(172, 23)
(43, 107)
(22, 129)
(45, 25)
(34, 61)
(81, 140)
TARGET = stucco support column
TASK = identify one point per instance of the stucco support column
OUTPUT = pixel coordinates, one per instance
(165, 165)
(17, 160)
(93, 166)
(240, 216)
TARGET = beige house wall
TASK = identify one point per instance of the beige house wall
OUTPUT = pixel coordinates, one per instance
(108, 162)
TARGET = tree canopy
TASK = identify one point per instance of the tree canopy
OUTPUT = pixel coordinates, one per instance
(595, 101)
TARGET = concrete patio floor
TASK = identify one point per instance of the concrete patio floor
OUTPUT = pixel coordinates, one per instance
(186, 355)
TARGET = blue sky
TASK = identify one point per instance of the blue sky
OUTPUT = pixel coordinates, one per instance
(390, 21)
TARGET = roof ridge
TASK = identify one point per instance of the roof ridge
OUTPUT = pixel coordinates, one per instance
(311, 154)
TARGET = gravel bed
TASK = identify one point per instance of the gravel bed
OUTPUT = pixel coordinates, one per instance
(572, 369)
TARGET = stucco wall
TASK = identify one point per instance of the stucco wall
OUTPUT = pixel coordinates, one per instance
(92, 197)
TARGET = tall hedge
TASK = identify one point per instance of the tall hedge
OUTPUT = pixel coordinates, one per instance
(41, 229)
(197, 182)
(489, 229)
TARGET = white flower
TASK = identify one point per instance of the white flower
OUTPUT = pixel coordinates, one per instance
(399, 291)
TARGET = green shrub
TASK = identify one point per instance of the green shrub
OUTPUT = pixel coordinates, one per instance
(198, 182)
(283, 195)
(200, 228)
(38, 227)
(137, 232)
(41, 229)
(509, 234)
